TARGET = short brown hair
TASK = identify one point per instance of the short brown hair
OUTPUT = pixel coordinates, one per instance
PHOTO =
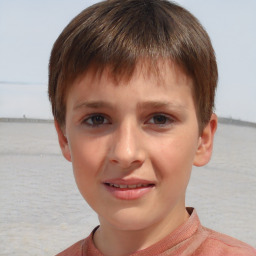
(119, 33)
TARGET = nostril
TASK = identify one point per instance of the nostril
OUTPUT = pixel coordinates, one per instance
(113, 161)
(126, 165)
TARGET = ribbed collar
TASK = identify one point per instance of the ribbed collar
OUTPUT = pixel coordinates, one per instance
(171, 243)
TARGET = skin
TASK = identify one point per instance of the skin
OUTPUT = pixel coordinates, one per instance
(142, 130)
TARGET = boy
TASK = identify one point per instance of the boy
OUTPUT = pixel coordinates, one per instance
(132, 87)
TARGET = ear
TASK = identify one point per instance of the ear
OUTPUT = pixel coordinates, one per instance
(205, 144)
(63, 142)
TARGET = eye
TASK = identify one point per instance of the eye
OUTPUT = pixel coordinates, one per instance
(160, 119)
(96, 120)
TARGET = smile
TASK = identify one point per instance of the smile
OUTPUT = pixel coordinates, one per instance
(128, 189)
(133, 186)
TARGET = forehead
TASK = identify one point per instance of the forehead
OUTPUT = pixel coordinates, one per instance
(157, 71)
(165, 82)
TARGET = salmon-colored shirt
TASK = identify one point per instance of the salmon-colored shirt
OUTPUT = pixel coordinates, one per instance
(189, 239)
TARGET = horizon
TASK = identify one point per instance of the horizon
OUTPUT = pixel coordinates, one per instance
(25, 48)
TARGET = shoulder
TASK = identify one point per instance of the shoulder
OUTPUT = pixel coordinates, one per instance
(74, 250)
(220, 244)
(82, 247)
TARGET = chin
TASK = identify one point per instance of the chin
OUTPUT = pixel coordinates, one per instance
(129, 221)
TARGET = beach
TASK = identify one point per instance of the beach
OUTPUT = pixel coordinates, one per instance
(42, 211)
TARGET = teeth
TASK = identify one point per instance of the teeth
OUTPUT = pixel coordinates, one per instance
(127, 186)
(132, 186)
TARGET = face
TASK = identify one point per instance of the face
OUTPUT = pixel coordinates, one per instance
(132, 145)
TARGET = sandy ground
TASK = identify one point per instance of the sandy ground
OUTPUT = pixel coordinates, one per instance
(42, 212)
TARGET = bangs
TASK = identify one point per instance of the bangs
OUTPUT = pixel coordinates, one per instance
(118, 35)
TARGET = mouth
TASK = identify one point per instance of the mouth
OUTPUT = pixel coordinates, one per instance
(129, 189)
(126, 186)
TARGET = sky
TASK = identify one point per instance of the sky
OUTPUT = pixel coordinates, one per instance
(28, 29)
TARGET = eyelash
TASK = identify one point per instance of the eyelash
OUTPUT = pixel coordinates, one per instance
(90, 120)
(167, 119)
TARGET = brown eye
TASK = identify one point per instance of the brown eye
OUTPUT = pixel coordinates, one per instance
(96, 120)
(160, 119)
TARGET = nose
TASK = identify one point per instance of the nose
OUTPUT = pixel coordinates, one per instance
(127, 149)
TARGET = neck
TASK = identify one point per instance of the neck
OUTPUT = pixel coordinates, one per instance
(112, 241)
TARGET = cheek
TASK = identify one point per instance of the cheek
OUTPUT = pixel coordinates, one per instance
(173, 158)
(86, 152)
(87, 160)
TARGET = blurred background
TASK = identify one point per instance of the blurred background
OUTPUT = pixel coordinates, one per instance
(28, 29)
(41, 210)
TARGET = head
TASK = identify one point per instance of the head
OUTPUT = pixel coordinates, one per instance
(132, 87)
(119, 34)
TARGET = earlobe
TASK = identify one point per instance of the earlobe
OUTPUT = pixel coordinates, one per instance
(63, 142)
(205, 145)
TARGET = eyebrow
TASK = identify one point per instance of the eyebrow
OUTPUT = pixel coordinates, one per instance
(141, 105)
(94, 105)
(160, 104)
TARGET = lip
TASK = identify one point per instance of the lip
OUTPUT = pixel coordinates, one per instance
(128, 193)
